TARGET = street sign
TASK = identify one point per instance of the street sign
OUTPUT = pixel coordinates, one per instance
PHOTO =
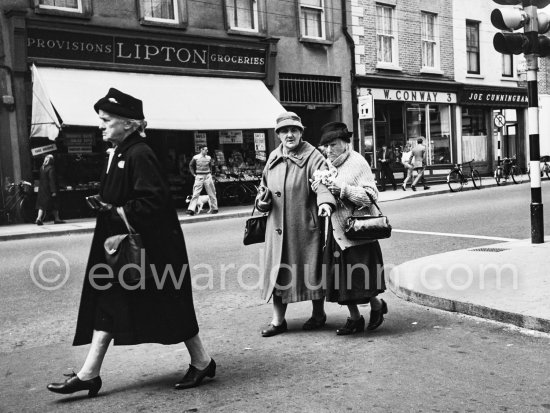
(364, 104)
(500, 120)
(43, 149)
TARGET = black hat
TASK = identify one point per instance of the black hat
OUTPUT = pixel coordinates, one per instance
(121, 104)
(334, 130)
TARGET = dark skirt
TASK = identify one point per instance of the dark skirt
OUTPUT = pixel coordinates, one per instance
(355, 274)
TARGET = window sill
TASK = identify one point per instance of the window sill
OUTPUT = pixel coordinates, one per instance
(509, 79)
(85, 14)
(474, 76)
(388, 66)
(174, 25)
(245, 32)
(315, 40)
(431, 71)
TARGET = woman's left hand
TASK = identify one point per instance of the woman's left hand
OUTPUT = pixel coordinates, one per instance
(325, 210)
(334, 189)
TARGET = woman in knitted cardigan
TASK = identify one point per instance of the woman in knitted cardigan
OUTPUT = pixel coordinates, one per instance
(354, 268)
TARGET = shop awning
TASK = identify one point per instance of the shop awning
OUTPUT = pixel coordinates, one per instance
(44, 121)
(169, 101)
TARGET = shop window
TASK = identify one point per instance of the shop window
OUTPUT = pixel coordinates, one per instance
(242, 15)
(472, 47)
(439, 144)
(163, 12)
(77, 8)
(386, 36)
(474, 134)
(309, 89)
(430, 41)
(507, 65)
(312, 19)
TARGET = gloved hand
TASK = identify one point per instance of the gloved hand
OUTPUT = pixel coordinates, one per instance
(263, 200)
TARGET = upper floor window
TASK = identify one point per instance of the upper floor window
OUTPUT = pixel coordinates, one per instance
(312, 18)
(472, 47)
(78, 8)
(430, 41)
(386, 34)
(242, 14)
(162, 12)
(508, 65)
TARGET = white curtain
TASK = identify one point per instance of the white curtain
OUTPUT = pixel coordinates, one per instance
(474, 147)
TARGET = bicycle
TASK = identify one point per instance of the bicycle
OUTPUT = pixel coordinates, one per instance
(16, 203)
(239, 192)
(457, 179)
(544, 167)
(508, 169)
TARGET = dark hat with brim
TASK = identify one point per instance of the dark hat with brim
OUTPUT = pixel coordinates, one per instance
(334, 130)
(121, 104)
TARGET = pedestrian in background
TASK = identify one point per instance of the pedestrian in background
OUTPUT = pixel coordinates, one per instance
(406, 161)
(354, 268)
(418, 161)
(132, 181)
(201, 168)
(293, 239)
(386, 159)
(48, 194)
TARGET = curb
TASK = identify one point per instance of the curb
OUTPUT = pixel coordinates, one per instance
(446, 304)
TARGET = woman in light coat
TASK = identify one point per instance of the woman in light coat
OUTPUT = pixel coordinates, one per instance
(354, 268)
(406, 161)
(294, 241)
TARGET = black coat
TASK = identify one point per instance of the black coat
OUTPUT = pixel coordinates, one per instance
(46, 188)
(153, 315)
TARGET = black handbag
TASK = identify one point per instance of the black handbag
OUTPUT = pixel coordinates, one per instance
(124, 249)
(254, 230)
(368, 227)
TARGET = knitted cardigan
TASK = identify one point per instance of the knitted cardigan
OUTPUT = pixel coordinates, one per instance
(355, 179)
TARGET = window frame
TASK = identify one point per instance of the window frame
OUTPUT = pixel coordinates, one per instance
(511, 74)
(255, 17)
(392, 35)
(322, 22)
(83, 11)
(180, 15)
(435, 42)
(469, 25)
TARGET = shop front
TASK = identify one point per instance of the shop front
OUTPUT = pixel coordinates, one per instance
(194, 93)
(480, 138)
(402, 116)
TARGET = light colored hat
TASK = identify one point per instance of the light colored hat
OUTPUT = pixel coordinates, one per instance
(288, 119)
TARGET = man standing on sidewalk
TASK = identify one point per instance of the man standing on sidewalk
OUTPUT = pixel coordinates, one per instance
(385, 160)
(201, 168)
(418, 161)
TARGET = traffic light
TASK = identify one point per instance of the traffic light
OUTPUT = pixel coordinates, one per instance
(534, 24)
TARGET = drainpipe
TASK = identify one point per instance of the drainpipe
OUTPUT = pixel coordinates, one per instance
(351, 45)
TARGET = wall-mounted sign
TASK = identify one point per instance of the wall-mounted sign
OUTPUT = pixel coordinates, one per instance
(79, 149)
(365, 107)
(79, 139)
(404, 95)
(259, 142)
(261, 155)
(494, 97)
(89, 47)
(43, 149)
(200, 140)
(231, 136)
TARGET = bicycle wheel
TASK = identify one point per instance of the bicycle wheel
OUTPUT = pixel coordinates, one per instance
(476, 179)
(454, 180)
(516, 174)
(547, 170)
(498, 175)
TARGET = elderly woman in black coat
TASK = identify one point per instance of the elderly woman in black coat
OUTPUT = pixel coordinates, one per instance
(153, 311)
(47, 199)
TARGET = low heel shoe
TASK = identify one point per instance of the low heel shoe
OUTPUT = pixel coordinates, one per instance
(273, 330)
(377, 317)
(352, 327)
(194, 376)
(313, 324)
(74, 384)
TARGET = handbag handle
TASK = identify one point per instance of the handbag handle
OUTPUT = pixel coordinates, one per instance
(372, 202)
(122, 214)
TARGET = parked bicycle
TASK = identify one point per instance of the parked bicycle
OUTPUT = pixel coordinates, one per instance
(17, 205)
(240, 191)
(457, 178)
(508, 169)
(544, 167)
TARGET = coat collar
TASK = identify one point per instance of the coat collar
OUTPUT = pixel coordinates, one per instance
(127, 143)
(299, 157)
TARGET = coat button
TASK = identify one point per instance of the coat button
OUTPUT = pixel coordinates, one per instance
(278, 193)
(279, 231)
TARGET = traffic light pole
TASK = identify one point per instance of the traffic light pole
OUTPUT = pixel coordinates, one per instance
(537, 221)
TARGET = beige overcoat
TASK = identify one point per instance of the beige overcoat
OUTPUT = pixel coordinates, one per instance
(293, 232)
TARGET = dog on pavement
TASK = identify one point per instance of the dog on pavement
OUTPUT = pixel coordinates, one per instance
(203, 201)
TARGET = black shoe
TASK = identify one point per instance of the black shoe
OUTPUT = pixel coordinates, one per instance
(413, 187)
(189, 212)
(395, 188)
(194, 376)
(59, 221)
(273, 330)
(214, 211)
(382, 189)
(313, 324)
(74, 384)
(403, 187)
(426, 187)
(39, 222)
(351, 327)
(377, 317)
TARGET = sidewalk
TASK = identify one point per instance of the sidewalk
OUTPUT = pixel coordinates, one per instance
(507, 282)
